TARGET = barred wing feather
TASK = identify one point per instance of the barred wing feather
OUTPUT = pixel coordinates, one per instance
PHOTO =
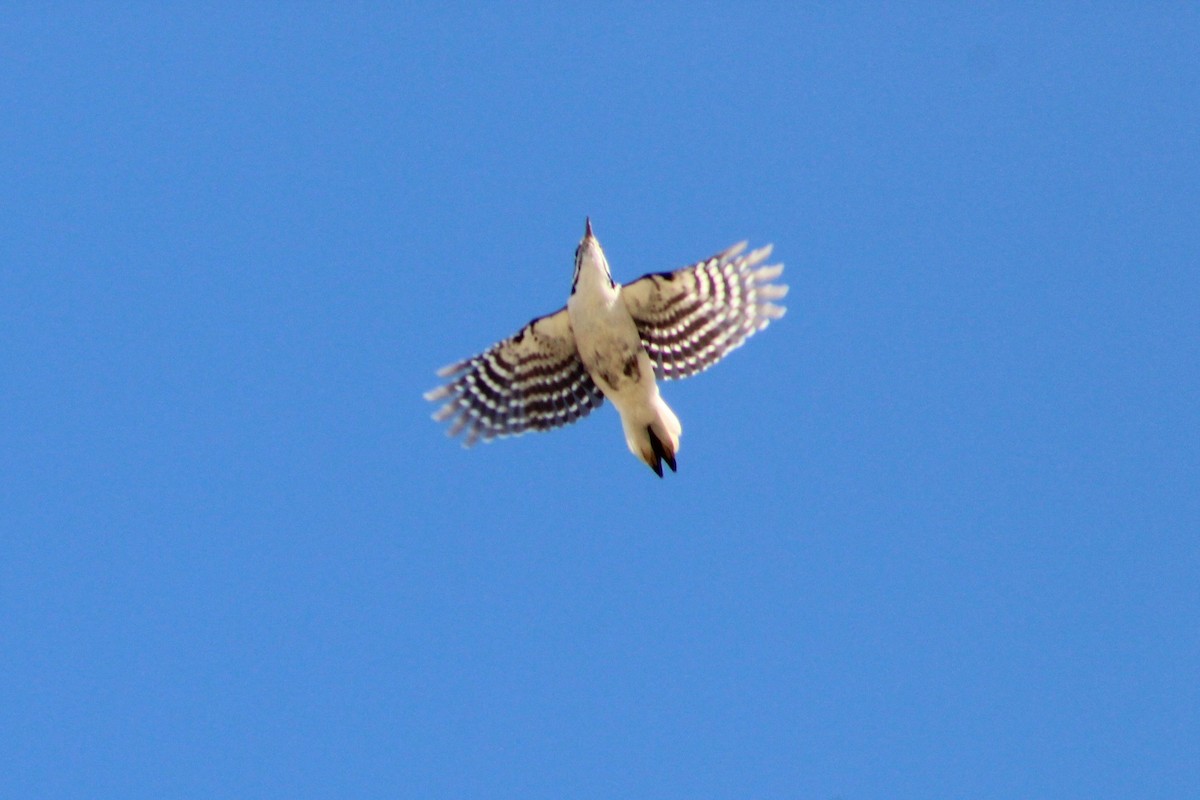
(691, 318)
(532, 380)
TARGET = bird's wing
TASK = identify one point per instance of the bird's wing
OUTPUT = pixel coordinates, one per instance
(531, 381)
(690, 318)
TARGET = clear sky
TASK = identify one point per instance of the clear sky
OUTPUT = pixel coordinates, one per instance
(934, 534)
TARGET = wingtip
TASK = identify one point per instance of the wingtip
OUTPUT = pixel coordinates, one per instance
(735, 250)
(760, 254)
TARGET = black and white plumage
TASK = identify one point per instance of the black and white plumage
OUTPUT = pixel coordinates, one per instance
(691, 318)
(613, 341)
(531, 381)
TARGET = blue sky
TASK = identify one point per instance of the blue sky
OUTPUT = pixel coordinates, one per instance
(933, 535)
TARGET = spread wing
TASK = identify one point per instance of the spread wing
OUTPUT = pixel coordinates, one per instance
(690, 318)
(531, 381)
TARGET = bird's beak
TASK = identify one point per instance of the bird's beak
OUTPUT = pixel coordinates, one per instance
(587, 233)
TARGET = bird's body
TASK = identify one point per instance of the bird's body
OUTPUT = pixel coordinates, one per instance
(611, 350)
(613, 341)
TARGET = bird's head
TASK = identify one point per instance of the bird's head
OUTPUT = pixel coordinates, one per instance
(589, 259)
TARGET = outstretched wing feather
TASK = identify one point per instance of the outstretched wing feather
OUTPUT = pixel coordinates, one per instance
(691, 318)
(531, 381)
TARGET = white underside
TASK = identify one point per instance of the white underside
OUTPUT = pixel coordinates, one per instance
(608, 344)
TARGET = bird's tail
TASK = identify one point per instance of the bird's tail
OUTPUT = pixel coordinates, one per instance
(655, 438)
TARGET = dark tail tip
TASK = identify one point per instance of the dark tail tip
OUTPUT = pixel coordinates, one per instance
(660, 454)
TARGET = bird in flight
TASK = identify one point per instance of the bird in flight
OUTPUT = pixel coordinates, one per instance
(613, 341)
